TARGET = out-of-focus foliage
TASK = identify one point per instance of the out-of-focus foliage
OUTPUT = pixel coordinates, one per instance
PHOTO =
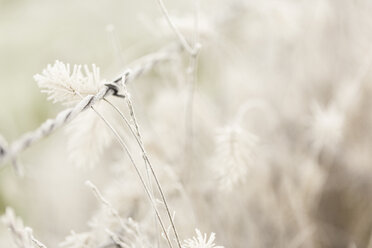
(278, 152)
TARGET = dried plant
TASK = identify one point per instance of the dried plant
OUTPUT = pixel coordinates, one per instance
(251, 124)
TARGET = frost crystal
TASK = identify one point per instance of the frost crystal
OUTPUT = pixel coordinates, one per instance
(63, 85)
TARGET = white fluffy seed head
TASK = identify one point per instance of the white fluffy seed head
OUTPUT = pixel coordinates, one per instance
(201, 241)
(68, 86)
(88, 138)
(235, 152)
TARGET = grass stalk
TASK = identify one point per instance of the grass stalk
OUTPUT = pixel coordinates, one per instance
(136, 133)
(125, 147)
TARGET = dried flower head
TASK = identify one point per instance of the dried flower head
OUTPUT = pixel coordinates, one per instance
(201, 241)
(66, 86)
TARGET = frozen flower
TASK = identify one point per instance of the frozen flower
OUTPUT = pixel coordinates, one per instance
(201, 241)
(66, 86)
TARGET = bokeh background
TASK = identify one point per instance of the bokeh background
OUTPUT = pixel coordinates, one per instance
(307, 62)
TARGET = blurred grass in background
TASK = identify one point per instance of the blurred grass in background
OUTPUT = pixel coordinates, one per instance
(290, 54)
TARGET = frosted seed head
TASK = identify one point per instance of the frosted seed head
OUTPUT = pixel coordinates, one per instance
(62, 85)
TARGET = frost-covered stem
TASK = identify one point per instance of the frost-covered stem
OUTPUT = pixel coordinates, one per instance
(38, 243)
(136, 133)
(125, 147)
(117, 49)
(132, 130)
(173, 26)
(116, 240)
(111, 209)
(138, 137)
(132, 113)
(140, 66)
(104, 202)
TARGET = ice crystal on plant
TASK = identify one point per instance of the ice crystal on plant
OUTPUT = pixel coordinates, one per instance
(68, 86)
(201, 241)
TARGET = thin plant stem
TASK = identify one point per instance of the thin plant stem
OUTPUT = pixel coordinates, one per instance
(105, 203)
(139, 143)
(125, 147)
(132, 113)
(118, 50)
(180, 36)
(138, 137)
(192, 82)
